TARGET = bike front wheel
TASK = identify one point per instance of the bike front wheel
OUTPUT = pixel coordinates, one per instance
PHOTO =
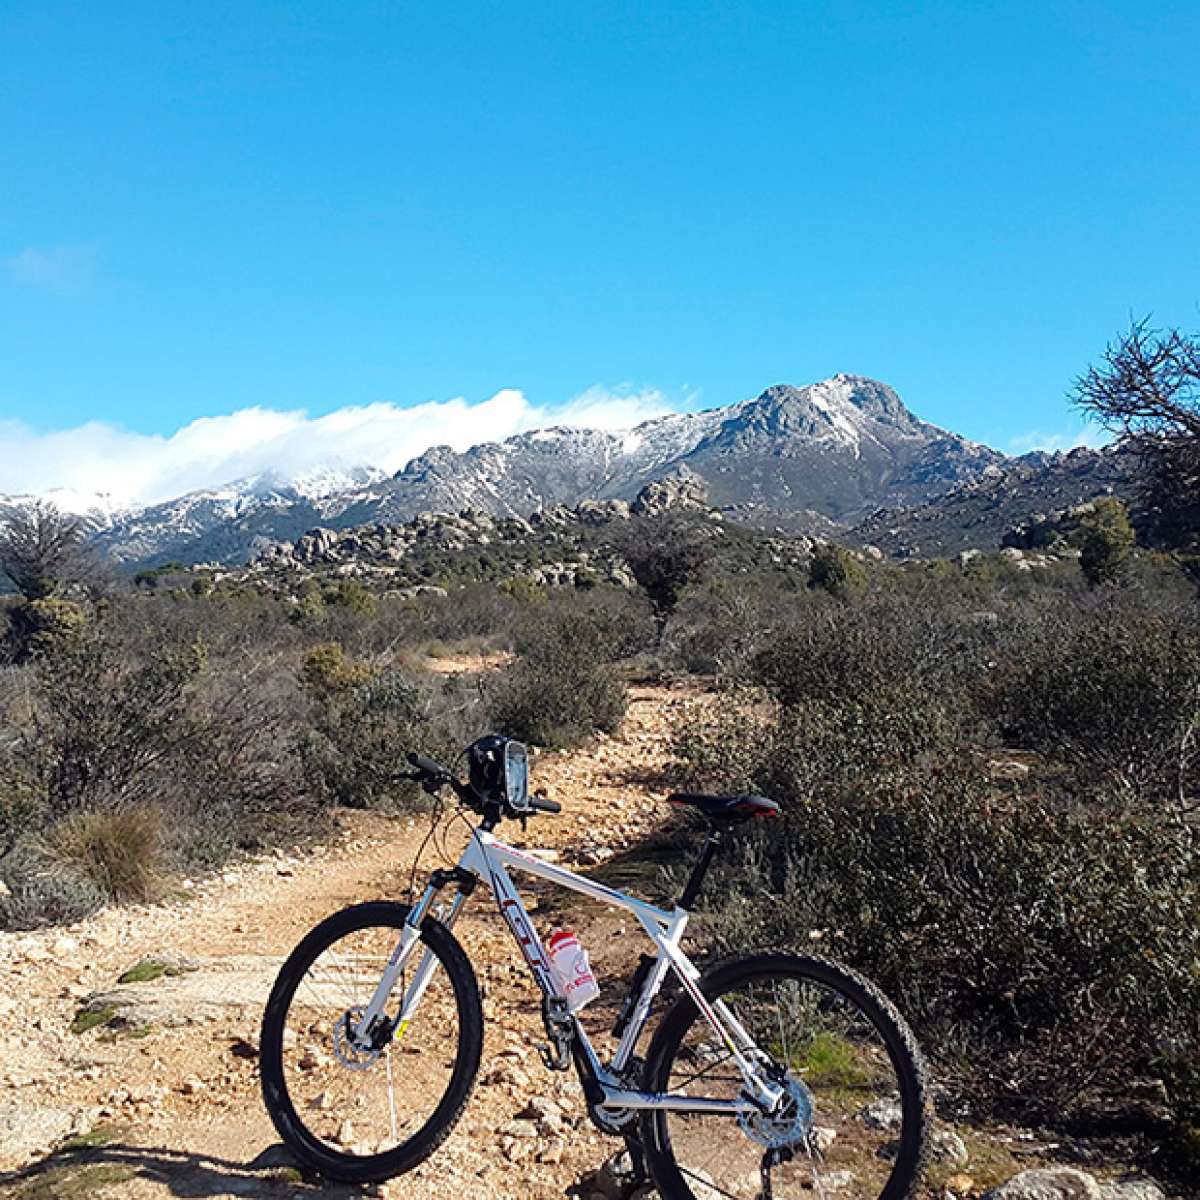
(853, 1122)
(366, 1115)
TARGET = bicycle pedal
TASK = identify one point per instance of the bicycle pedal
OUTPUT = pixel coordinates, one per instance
(555, 1058)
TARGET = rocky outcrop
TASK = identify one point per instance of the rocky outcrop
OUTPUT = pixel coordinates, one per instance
(383, 553)
(684, 489)
(1020, 502)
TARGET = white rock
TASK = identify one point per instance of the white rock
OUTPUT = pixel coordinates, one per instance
(29, 1131)
(519, 1129)
(885, 1114)
(822, 1137)
(946, 1146)
(1048, 1183)
(837, 1181)
(1132, 1189)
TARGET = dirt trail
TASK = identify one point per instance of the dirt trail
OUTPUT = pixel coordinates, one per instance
(176, 1086)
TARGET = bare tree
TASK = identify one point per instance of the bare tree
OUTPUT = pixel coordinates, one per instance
(1147, 391)
(40, 548)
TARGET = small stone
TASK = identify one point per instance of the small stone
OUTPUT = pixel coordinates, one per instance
(519, 1129)
(192, 1086)
(946, 1146)
(885, 1114)
(837, 1181)
(822, 1137)
(960, 1185)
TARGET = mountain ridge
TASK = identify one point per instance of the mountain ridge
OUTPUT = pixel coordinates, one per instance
(822, 458)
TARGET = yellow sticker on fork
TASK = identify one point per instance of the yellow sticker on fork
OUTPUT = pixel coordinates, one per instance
(399, 1031)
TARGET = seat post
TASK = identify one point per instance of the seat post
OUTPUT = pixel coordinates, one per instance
(696, 879)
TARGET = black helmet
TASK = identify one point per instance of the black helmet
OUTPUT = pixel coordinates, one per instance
(499, 772)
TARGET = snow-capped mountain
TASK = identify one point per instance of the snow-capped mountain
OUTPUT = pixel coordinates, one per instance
(825, 455)
(98, 510)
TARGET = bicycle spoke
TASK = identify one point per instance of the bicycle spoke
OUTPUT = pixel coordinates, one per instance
(353, 1098)
(829, 1059)
(700, 1074)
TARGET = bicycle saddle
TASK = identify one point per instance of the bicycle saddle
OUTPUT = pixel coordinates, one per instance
(726, 810)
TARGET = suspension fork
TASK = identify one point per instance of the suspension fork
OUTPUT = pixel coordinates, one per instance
(400, 956)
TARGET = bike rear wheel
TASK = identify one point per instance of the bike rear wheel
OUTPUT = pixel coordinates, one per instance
(854, 1122)
(363, 1116)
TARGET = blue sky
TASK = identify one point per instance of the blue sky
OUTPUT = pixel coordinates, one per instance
(304, 208)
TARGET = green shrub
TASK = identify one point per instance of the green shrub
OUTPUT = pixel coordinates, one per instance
(38, 892)
(45, 626)
(354, 753)
(352, 594)
(1113, 690)
(1055, 951)
(326, 670)
(666, 556)
(836, 570)
(20, 812)
(1060, 950)
(561, 689)
(829, 651)
(1106, 541)
(105, 720)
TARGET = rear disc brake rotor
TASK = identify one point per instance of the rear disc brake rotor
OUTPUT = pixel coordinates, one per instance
(790, 1123)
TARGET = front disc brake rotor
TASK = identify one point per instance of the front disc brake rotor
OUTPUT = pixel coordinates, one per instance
(350, 1055)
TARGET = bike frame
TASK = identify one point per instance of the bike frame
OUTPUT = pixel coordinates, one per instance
(487, 860)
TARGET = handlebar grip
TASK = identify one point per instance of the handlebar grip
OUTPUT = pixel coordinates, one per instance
(427, 765)
(541, 804)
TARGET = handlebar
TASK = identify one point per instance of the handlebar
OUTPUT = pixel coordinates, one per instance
(428, 768)
(432, 775)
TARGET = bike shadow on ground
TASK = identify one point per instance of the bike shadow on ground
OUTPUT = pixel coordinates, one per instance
(77, 1171)
(82, 1169)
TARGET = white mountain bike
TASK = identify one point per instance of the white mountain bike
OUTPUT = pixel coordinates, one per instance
(771, 1075)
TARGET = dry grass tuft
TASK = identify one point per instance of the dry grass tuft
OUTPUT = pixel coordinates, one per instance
(118, 849)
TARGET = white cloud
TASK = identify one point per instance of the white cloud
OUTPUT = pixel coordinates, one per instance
(65, 270)
(141, 468)
(1088, 434)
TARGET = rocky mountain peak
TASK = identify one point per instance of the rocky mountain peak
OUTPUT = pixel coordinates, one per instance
(840, 399)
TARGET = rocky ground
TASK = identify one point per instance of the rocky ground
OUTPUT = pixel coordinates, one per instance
(149, 1087)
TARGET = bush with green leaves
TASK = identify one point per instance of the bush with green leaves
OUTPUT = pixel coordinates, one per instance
(43, 626)
(666, 555)
(563, 686)
(1053, 952)
(1112, 689)
(836, 570)
(1106, 540)
(828, 651)
(39, 891)
(365, 719)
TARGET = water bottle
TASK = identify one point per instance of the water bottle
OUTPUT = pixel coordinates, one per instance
(572, 973)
